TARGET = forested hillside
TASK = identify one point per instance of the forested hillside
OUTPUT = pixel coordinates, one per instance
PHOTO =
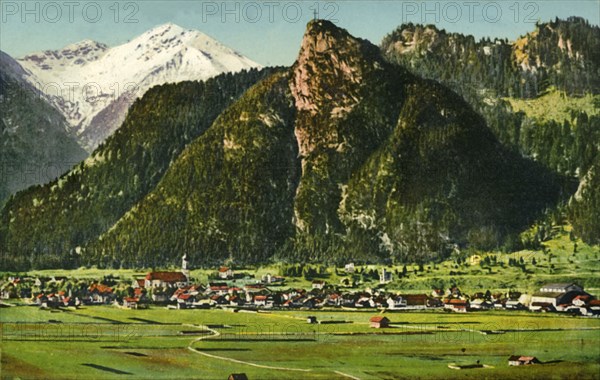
(539, 94)
(46, 225)
(229, 193)
(585, 205)
(563, 54)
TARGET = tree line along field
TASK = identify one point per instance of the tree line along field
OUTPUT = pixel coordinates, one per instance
(104, 342)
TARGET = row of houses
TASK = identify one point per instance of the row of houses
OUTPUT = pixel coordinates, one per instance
(95, 294)
(553, 297)
(564, 297)
(175, 288)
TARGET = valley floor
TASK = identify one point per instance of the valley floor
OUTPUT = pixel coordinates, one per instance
(104, 342)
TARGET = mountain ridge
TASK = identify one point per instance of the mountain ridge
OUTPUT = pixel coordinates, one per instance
(164, 54)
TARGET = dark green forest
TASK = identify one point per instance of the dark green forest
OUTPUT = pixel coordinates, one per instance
(559, 57)
(43, 225)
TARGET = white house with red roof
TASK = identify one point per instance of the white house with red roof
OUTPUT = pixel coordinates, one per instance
(169, 279)
(457, 305)
(225, 273)
(165, 280)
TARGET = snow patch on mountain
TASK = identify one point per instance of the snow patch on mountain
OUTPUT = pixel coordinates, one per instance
(86, 78)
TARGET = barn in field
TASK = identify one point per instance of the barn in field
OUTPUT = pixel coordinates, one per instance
(379, 322)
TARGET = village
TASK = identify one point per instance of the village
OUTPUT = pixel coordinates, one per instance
(228, 289)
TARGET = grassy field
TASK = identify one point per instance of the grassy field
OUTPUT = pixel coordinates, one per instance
(105, 342)
(555, 105)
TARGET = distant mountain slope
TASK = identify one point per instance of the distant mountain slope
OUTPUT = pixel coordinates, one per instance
(563, 53)
(585, 206)
(43, 225)
(35, 146)
(98, 84)
(539, 94)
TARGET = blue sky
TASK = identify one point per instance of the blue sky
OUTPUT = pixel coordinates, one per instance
(268, 32)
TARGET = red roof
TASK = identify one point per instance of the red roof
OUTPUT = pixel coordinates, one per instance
(254, 286)
(260, 298)
(166, 276)
(527, 358)
(378, 319)
(457, 302)
(141, 282)
(219, 287)
(582, 297)
(100, 288)
(184, 296)
(130, 299)
(223, 269)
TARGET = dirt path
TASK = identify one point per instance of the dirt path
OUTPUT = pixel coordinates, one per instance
(215, 333)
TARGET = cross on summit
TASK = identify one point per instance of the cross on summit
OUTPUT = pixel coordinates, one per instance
(316, 14)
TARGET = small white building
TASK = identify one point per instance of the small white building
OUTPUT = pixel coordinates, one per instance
(560, 288)
(260, 300)
(517, 360)
(318, 284)
(225, 273)
(385, 276)
(349, 268)
(480, 304)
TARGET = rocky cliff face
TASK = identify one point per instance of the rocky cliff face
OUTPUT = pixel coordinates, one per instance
(331, 68)
(330, 80)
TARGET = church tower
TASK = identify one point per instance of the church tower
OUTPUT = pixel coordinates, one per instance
(184, 267)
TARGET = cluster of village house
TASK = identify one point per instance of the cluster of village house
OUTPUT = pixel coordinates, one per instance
(176, 291)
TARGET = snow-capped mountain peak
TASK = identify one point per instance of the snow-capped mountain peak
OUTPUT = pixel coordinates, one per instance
(99, 83)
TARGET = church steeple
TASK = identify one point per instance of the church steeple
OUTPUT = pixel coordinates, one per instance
(184, 266)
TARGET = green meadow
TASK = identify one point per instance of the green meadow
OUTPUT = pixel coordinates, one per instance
(105, 342)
